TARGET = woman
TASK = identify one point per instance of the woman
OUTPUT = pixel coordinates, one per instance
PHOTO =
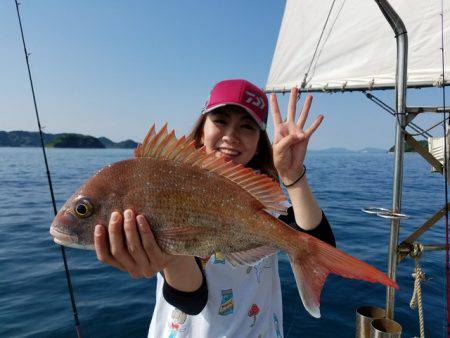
(214, 299)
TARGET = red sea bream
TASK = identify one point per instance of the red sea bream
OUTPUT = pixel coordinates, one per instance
(197, 205)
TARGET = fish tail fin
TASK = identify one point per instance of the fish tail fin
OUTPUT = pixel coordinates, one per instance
(313, 262)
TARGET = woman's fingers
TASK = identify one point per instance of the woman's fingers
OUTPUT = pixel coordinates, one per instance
(134, 244)
(118, 250)
(286, 142)
(102, 247)
(157, 257)
(304, 114)
(292, 105)
(275, 109)
(312, 128)
(137, 253)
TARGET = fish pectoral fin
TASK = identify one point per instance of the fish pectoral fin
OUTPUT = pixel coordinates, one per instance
(184, 232)
(251, 256)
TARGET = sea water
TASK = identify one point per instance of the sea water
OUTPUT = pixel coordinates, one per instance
(34, 301)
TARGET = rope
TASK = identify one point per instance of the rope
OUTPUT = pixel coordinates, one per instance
(314, 62)
(416, 299)
(432, 127)
(303, 84)
(49, 179)
(419, 131)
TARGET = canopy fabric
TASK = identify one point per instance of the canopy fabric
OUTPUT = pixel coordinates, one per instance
(356, 48)
(436, 148)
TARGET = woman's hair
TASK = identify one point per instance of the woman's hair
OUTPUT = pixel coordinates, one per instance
(261, 161)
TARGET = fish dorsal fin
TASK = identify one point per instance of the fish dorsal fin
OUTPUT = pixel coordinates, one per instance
(166, 146)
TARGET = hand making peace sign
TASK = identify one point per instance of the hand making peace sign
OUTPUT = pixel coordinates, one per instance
(290, 138)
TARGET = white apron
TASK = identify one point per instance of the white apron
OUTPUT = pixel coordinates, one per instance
(243, 301)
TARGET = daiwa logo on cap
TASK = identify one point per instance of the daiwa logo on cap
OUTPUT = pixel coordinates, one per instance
(240, 93)
(255, 100)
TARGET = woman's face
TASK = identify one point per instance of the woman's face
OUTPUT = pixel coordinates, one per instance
(231, 134)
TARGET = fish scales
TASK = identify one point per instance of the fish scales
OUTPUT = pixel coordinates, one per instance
(209, 210)
(194, 210)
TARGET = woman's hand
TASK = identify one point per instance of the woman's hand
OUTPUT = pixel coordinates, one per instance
(137, 253)
(290, 138)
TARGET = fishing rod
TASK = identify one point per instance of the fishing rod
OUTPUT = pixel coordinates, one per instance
(447, 256)
(49, 179)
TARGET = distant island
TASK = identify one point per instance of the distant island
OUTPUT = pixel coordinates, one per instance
(21, 138)
(409, 149)
(64, 140)
(336, 150)
(371, 150)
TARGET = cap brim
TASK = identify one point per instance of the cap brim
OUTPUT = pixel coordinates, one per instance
(255, 117)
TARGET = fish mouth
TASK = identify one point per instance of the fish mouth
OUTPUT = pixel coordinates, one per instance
(68, 240)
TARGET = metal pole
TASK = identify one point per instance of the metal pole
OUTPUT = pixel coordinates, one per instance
(400, 97)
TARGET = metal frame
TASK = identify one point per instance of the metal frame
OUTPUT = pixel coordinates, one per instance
(405, 247)
(342, 89)
(404, 116)
(424, 153)
(401, 37)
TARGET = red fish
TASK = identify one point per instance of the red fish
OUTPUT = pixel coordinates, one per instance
(198, 205)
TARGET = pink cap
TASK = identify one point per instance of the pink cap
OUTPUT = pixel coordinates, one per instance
(239, 93)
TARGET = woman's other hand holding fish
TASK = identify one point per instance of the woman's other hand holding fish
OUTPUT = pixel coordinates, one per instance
(137, 253)
(290, 143)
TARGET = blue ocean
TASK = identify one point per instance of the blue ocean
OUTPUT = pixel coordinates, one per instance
(34, 301)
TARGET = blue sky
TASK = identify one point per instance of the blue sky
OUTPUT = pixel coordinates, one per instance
(112, 68)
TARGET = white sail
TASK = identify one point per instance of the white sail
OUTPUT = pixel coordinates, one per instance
(356, 49)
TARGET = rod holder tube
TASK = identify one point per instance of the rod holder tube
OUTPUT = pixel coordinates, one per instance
(364, 317)
(385, 328)
(401, 36)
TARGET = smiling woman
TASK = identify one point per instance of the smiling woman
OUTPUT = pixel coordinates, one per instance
(205, 221)
(196, 298)
(233, 104)
(231, 133)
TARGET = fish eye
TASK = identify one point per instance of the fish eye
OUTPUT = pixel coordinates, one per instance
(83, 208)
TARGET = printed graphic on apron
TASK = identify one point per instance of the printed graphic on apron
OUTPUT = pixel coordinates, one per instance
(252, 313)
(259, 268)
(226, 305)
(176, 325)
(218, 258)
(276, 325)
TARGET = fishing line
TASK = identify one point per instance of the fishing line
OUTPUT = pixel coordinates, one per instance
(49, 179)
(447, 267)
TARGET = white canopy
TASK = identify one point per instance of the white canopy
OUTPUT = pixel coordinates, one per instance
(436, 148)
(356, 48)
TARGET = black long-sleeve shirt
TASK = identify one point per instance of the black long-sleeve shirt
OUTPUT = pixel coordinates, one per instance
(192, 303)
